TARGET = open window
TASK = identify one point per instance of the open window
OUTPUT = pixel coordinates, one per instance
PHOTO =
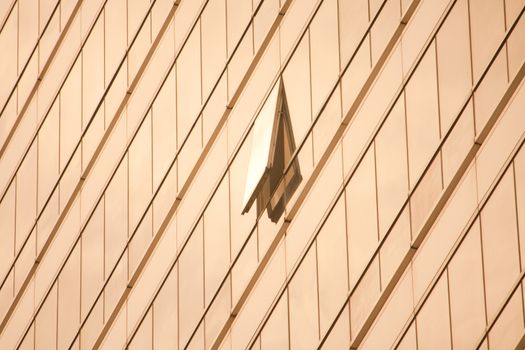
(272, 148)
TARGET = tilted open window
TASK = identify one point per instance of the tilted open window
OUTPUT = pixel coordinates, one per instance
(272, 148)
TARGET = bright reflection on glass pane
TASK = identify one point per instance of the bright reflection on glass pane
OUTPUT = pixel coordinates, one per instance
(272, 149)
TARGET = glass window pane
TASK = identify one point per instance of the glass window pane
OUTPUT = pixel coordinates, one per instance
(302, 291)
(191, 285)
(500, 243)
(275, 333)
(324, 48)
(487, 27)
(422, 115)
(361, 214)
(391, 163)
(332, 265)
(467, 299)
(508, 329)
(165, 314)
(433, 319)
(453, 58)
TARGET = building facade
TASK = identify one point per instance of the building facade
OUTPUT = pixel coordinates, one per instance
(262, 174)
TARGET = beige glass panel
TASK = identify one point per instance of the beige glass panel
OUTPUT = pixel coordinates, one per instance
(339, 336)
(143, 338)
(361, 213)
(114, 288)
(25, 260)
(46, 221)
(45, 8)
(191, 285)
(500, 143)
(116, 215)
(372, 110)
(302, 293)
(240, 61)
(115, 35)
(92, 137)
(419, 29)
(138, 51)
(508, 329)
(519, 178)
(69, 300)
(384, 28)
(165, 199)
(489, 93)
(313, 208)
(275, 333)
(140, 172)
(46, 322)
(422, 115)
(458, 144)
(27, 30)
(214, 109)
(48, 155)
(92, 71)
(26, 193)
(91, 329)
(218, 314)
(188, 84)
(364, 296)
(467, 299)
(327, 124)
(136, 11)
(324, 49)
(453, 59)
(164, 131)
(296, 78)
(500, 243)
(487, 26)
(409, 341)
(426, 195)
(395, 247)
(28, 342)
(353, 18)
(7, 294)
(140, 242)
(264, 20)
(189, 154)
(70, 178)
(356, 74)
(213, 36)
(158, 16)
(8, 60)
(391, 164)
(259, 165)
(27, 80)
(332, 265)
(293, 24)
(70, 113)
(9, 116)
(433, 320)
(445, 232)
(7, 227)
(216, 240)
(48, 40)
(165, 315)
(92, 250)
(238, 15)
(244, 267)
(515, 47)
(395, 313)
(197, 342)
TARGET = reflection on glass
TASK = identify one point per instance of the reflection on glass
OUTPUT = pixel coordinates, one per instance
(272, 149)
